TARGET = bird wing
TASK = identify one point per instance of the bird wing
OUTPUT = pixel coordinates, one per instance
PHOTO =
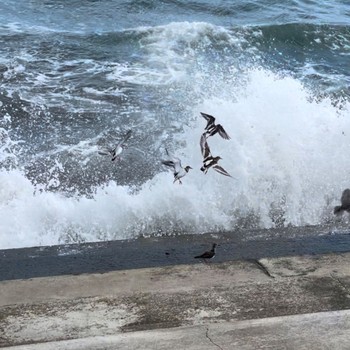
(105, 152)
(222, 132)
(205, 147)
(124, 139)
(111, 152)
(177, 164)
(345, 198)
(221, 170)
(209, 118)
(169, 163)
(202, 143)
(173, 162)
(205, 255)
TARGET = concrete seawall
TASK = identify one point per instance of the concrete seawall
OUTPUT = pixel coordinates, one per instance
(285, 302)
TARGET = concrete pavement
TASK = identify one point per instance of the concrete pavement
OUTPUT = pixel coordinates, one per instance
(327, 330)
(295, 302)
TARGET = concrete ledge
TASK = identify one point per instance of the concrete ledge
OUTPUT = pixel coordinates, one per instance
(118, 305)
(139, 253)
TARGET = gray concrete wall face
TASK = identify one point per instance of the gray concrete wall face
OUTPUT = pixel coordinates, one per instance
(278, 303)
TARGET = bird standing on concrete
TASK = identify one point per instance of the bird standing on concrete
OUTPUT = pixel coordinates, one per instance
(345, 203)
(208, 254)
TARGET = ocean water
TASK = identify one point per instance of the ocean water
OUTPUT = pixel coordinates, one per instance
(77, 75)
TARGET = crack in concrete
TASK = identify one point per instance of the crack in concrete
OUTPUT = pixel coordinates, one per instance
(336, 279)
(207, 336)
(262, 267)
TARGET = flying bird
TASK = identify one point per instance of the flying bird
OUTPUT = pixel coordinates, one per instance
(115, 152)
(212, 128)
(345, 203)
(175, 165)
(208, 160)
(208, 254)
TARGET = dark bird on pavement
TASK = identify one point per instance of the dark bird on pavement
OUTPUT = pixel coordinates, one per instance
(208, 160)
(208, 254)
(212, 128)
(175, 164)
(345, 203)
(115, 152)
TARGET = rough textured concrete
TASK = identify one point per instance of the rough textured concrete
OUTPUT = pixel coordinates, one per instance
(320, 331)
(73, 307)
(170, 279)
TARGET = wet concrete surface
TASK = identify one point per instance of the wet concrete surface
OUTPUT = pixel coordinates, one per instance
(81, 296)
(102, 257)
(227, 299)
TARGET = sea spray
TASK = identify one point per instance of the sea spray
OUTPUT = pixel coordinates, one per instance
(288, 157)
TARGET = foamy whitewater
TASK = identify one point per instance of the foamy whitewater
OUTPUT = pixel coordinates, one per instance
(288, 152)
(288, 156)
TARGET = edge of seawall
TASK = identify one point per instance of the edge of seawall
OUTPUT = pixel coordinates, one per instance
(101, 257)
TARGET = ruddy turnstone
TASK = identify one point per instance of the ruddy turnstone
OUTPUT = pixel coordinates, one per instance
(175, 165)
(345, 202)
(115, 152)
(212, 128)
(208, 160)
(208, 254)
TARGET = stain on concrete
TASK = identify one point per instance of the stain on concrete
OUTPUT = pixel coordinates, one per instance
(26, 324)
(329, 292)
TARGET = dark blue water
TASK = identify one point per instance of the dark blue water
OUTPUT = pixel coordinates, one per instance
(76, 76)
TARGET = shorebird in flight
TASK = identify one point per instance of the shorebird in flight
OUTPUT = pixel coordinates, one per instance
(212, 128)
(115, 152)
(175, 165)
(345, 203)
(208, 254)
(208, 160)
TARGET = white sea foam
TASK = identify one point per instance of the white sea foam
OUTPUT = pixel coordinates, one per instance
(288, 155)
(172, 50)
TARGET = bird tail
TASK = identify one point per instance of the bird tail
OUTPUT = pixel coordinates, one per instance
(204, 169)
(338, 209)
